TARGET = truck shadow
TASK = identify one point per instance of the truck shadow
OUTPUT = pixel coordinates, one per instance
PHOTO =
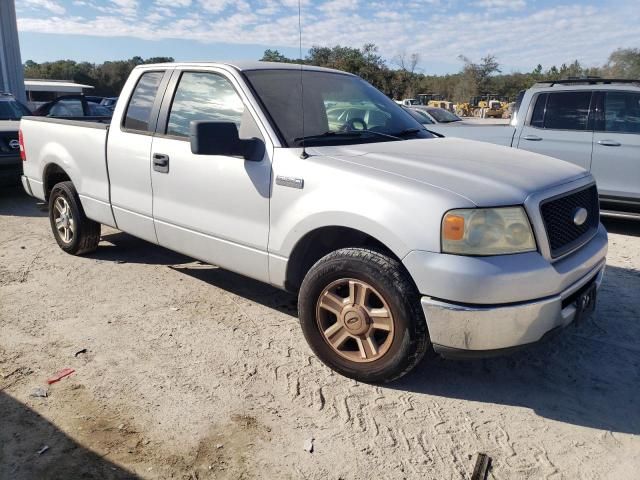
(120, 247)
(253, 290)
(14, 202)
(23, 433)
(589, 375)
(123, 248)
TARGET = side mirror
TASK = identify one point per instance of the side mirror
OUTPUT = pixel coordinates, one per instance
(221, 138)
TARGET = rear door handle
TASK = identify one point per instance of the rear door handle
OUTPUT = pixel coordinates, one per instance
(609, 143)
(532, 138)
(161, 162)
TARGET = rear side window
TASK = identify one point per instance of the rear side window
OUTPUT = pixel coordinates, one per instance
(622, 112)
(567, 110)
(537, 118)
(141, 104)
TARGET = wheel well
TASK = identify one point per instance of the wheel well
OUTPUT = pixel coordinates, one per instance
(53, 174)
(318, 243)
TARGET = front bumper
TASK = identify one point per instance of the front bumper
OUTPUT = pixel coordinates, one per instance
(482, 306)
(480, 331)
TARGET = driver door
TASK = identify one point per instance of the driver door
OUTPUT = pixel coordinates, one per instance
(211, 207)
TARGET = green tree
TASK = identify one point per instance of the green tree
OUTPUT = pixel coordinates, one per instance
(624, 63)
(108, 78)
(273, 56)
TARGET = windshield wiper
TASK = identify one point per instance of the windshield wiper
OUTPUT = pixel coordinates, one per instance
(408, 131)
(347, 133)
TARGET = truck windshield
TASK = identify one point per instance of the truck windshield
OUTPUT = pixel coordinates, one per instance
(339, 109)
(12, 110)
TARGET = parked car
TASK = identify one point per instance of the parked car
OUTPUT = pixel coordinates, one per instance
(11, 111)
(593, 123)
(72, 106)
(420, 115)
(396, 242)
(109, 102)
(433, 115)
(407, 102)
(94, 98)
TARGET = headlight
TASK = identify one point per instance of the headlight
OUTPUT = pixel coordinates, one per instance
(487, 231)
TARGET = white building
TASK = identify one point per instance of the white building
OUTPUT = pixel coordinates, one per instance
(41, 91)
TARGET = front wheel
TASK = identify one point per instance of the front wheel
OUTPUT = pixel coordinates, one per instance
(361, 315)
(73, 231)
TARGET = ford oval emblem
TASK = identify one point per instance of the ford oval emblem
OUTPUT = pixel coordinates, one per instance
(15, 144)
(580, 216)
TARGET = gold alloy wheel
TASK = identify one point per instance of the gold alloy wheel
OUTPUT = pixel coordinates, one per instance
(355, 320)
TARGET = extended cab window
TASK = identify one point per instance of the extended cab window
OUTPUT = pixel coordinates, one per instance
(566, 110)
(141, 103)
(204, 96)
(622, 112)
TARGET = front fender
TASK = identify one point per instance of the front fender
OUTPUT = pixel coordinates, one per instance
(402, 214)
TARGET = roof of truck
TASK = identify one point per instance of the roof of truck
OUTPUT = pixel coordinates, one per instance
(244, 66)
(589, 84)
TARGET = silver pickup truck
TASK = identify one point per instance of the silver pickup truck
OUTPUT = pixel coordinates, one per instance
(397, 243)
(593, 123)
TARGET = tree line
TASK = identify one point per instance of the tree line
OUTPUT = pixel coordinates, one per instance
(401, 77)
(107, 78)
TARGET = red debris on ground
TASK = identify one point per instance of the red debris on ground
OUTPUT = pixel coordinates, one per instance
(61, 374)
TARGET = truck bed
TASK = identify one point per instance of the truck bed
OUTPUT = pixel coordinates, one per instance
(79, 148)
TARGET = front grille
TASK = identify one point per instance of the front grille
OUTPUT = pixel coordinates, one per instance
(5, 144)
(558, 215)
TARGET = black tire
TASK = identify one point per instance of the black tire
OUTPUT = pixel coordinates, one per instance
(86, 232)
(410, 339)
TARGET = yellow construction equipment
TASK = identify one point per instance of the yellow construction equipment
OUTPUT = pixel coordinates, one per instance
(483, 106)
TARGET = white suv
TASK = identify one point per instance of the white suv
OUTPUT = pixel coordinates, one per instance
(594, 123)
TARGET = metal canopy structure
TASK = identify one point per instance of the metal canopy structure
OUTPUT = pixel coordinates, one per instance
(11, 74)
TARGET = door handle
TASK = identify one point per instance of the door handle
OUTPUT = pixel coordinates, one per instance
(161, 162)
(609, 143)
(532, 138)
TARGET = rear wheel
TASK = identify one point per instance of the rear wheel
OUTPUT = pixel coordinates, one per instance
(73, 231)
(361, 315)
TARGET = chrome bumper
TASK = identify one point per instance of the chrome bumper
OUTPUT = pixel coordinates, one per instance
(493, 328)
(26, 185)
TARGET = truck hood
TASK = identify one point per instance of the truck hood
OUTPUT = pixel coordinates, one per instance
(9, 125)
(487, 175)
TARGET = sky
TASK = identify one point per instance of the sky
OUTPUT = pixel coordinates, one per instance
(520, 33)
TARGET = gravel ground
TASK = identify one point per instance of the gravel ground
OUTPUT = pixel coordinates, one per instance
(194, 372)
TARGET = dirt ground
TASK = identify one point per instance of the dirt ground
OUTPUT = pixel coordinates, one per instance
(194, 372)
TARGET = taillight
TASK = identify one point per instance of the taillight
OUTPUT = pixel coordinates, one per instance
(23, 154)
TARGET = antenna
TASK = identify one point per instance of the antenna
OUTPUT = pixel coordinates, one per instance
(304, 155)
